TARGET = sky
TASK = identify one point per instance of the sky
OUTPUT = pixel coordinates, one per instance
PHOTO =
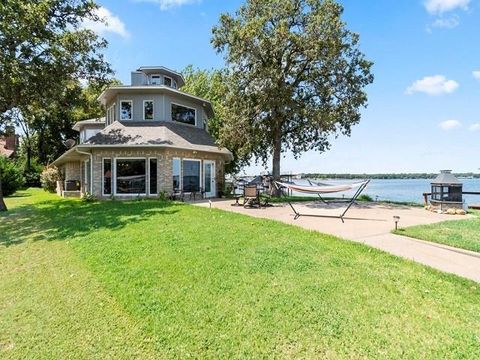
(423, 111)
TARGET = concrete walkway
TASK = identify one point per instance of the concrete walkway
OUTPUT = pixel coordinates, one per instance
(371, 224)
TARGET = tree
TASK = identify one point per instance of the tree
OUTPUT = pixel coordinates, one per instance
(213, 85)
(42, 48)
(296, 77)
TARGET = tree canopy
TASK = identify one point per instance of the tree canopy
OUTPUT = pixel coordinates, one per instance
(296, 77)
(43, 48)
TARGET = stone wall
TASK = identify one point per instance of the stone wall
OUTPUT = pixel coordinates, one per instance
(164, 165)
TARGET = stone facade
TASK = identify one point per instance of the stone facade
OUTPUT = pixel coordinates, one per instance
(164, 166)
(72, 171)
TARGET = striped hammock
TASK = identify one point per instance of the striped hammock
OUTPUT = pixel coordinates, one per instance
(323, 189)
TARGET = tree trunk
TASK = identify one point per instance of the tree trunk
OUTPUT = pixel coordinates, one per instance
(277, 152)
(3, 206)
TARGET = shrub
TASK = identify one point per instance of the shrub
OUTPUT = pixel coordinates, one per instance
(12, 178)
(32, 175)
(365, 197)
(49, 177)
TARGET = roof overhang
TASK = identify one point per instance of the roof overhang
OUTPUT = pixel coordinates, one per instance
(148, 70)
(92, 123)
(73, 154)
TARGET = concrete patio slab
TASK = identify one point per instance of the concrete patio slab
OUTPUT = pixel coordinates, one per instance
(371, 224)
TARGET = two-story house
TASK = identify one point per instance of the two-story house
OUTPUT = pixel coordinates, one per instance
(154, 138)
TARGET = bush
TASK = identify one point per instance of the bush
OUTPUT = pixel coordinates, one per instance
(49, 177)
(32, 175)
(12, 178)
(365, 197)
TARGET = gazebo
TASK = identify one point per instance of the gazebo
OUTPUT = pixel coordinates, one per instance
(447, 192)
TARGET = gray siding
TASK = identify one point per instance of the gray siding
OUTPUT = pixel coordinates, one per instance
(162, 106)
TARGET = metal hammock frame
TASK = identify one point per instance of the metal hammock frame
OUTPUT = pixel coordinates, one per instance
(304, 189)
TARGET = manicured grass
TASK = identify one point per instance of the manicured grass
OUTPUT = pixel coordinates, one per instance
(157, 279)
(463, 234)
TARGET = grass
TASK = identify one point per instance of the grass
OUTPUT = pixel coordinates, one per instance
(458, 233)
(150, 279)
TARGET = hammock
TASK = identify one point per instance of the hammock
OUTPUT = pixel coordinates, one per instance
(319, 189)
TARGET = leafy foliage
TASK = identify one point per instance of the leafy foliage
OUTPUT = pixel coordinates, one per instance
(212, 85)
(49, 177)
(296, 77)
(12, 178)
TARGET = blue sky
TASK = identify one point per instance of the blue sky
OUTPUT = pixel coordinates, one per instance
(424, 106)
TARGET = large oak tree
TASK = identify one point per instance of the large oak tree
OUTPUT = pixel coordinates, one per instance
(296, 77)
(43, 47)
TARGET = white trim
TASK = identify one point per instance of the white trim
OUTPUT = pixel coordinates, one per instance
(185, 106)
(213, 174)
(115, 177)
(150, 79)
(180, 180)
(148, 160)
(103, 176)
(131, 109)
(153, 110)
(171, 81)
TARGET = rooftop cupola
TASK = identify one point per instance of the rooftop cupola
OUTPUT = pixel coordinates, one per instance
(157, 76)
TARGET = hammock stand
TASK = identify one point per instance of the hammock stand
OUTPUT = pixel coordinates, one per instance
(329, 189)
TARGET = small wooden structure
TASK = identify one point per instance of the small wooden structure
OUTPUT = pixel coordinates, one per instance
(447, 192)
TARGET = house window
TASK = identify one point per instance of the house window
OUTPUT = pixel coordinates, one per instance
(176, 171)
(126, 110)
(153, 176)
(167, 81)
(131, 176)
(148, 110)
(191, 175)
(183, 114)
(174, 85)
(155, 80)
(107, 176)
(88, 177)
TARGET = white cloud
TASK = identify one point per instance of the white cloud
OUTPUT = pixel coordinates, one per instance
(111, 24)
(168, 4)
(443, 6)
(475, 127)
(450, 124)
(433, 85)
(446, 23)
(476, 74)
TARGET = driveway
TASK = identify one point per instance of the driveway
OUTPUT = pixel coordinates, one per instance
(371, 224)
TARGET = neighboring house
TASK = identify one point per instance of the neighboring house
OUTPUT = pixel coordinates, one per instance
(154, 138)
(9, 143)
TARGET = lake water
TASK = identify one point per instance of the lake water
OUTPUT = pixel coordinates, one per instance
(408, 190)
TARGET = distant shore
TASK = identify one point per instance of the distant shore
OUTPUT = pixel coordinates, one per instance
(401, 176)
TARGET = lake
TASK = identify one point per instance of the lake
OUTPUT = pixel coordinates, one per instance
(405, 190)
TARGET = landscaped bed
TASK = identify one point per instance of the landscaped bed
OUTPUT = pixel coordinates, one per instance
(463, 234)
(151, 279)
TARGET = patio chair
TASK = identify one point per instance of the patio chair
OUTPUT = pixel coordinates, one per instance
(251, 196)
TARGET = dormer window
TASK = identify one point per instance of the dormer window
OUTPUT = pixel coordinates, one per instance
(156, 80)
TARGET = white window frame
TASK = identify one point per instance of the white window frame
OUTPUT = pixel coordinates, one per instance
(159, 79)
(103, 176)
(180, 180)
(171, 81)
(181, 173)
(131, 107)
(185, 106)
(153, 110)
(114, 114)
(114, 192)
(150, 158)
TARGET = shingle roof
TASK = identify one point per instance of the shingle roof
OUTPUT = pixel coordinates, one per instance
(447, 178)
(164, 133)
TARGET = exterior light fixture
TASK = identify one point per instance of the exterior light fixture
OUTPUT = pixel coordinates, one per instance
(396, 219)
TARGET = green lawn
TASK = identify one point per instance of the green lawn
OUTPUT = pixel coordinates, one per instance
(463, 234)
(150, 279)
